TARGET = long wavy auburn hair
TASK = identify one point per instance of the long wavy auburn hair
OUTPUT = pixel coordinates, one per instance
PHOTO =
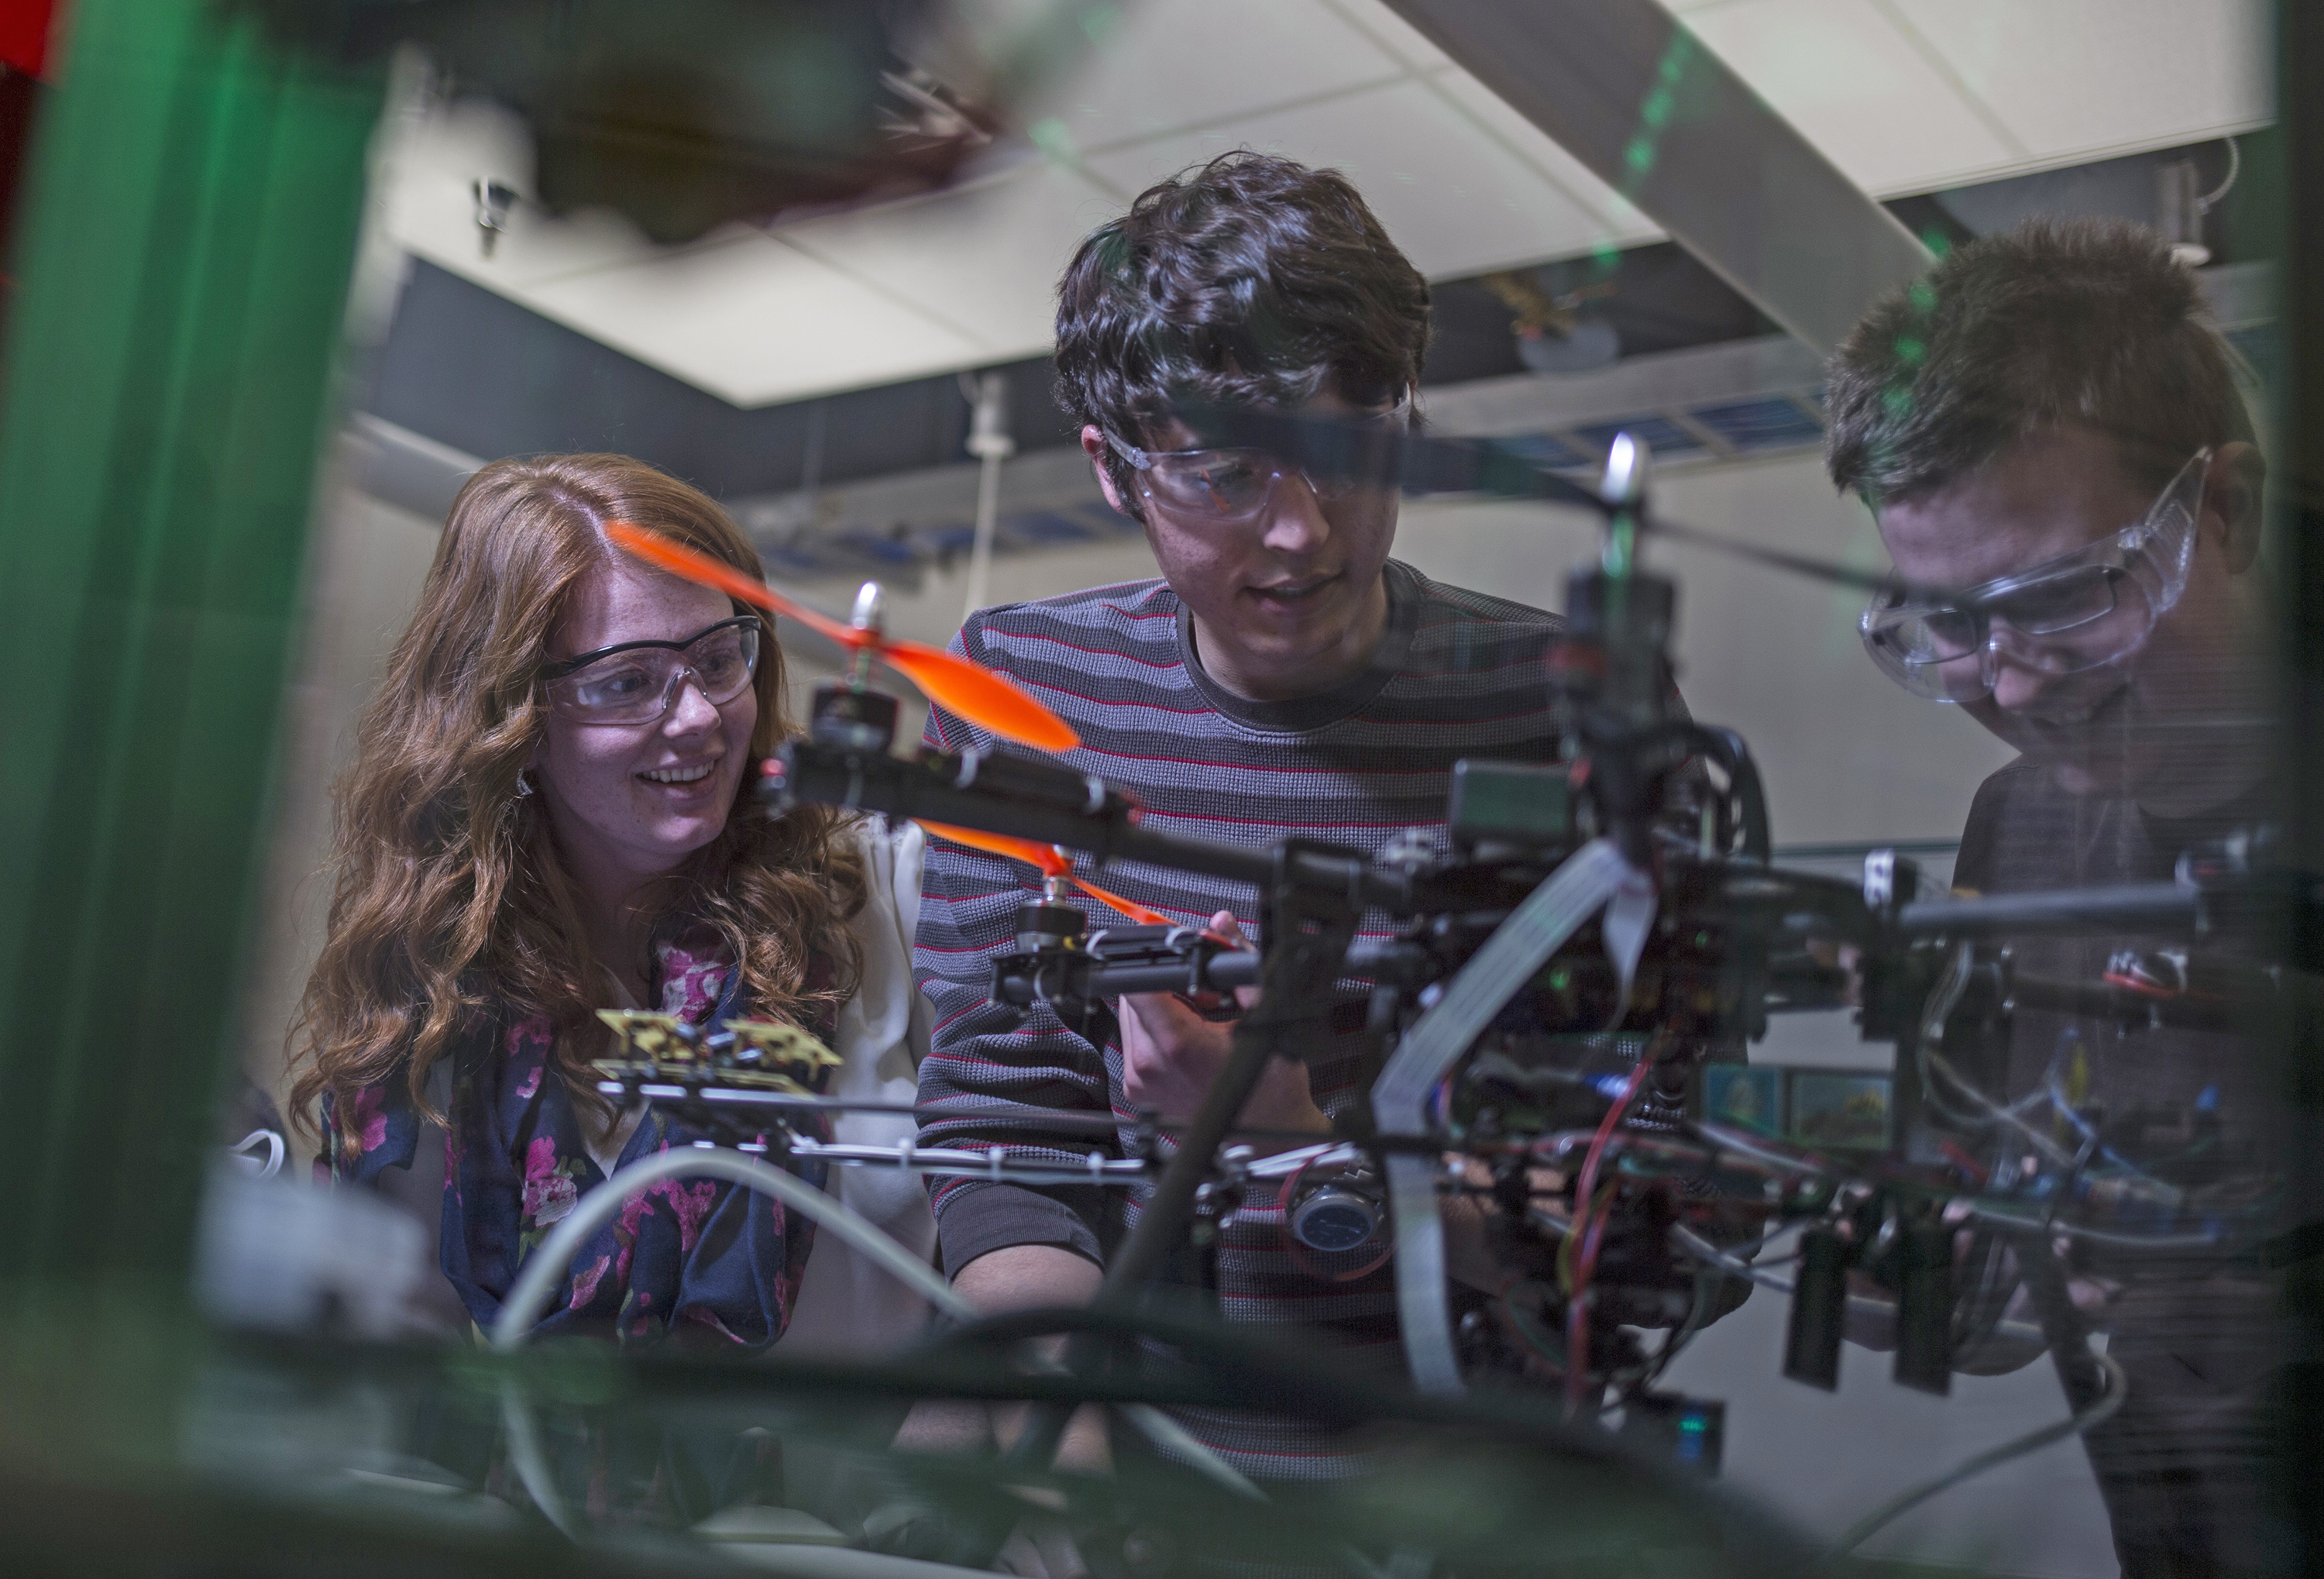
(450, 901)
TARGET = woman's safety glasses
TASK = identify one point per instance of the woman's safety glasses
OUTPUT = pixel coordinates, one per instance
(637, 682)
(1227, 486)
(2078, 612)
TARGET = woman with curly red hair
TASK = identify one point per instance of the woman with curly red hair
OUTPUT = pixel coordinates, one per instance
(546, 819)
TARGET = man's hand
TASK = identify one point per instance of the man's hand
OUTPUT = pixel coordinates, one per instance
(1170, 1054)
(1026, 1277)
(1020, 1277)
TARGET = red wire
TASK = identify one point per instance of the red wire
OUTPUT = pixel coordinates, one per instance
(1964, 1161)
(1591, 1225)
(1577, 1312)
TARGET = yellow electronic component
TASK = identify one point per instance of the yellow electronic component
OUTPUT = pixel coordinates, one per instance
(766, 1055)
(661, 1037)
(777, 1043)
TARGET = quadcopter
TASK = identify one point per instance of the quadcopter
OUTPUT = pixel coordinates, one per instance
(1558, 1020)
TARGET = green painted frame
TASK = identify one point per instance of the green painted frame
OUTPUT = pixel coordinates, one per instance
(187, 246)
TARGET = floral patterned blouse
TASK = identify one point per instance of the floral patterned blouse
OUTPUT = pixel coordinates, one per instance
(695, 1258)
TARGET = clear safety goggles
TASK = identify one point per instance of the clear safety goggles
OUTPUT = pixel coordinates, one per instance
(2078, 612)
(1226, 486)
(638, 682)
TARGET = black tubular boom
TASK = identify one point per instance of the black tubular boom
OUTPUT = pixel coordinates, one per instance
(926, 789)
(2061, 909)
(896, 788)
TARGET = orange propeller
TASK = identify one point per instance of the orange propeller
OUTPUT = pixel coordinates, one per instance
(984, 699)
(1050, 862)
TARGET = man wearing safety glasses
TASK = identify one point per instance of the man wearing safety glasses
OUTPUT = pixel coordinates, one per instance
(2048, 432)
(1283, 678)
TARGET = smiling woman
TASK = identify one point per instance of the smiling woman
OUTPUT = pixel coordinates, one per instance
(544, 821)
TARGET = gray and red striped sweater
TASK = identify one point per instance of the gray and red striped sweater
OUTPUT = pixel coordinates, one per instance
(1457, 674)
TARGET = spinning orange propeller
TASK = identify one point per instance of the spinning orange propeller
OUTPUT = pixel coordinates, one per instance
(1050, 862)
(984, 699)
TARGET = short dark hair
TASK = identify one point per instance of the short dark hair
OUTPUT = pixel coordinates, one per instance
(2058, 321)
(1251, 279)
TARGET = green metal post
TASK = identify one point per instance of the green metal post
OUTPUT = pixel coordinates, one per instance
(185, 256)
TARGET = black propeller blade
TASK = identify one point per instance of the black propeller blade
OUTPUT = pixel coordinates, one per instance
(1422, 465)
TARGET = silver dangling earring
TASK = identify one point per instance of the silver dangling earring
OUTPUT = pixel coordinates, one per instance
(524, 782)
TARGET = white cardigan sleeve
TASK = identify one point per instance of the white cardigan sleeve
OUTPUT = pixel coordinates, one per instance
(846, 1306)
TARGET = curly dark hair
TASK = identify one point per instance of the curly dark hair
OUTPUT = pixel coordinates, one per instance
(2058, 321)
(1251, 279)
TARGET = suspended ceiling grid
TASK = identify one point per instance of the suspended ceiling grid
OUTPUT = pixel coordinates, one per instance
(1905, 96)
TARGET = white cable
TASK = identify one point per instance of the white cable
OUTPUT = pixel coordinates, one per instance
(239, 1150)
(1942, 999)
(2118, 1389)
(548, 1267)
(1536, 929)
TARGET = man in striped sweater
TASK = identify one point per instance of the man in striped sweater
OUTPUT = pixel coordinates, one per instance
(1284, 677)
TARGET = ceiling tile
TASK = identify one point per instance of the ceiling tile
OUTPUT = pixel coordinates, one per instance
(1410, 43)
(2092, 77)
(1456, 199)
(1856, 87)
(1621, 223)
(984, 259)
(1179, 63)
(753, 321)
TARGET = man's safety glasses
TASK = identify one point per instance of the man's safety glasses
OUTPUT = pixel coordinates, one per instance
(2079, 611)
(1227, 486)
(637, 682)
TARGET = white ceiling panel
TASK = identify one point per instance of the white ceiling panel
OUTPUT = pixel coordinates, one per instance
(1388, 29)
(985, 259)
(1620, 222)
(1858, 89)
(1455, 201)
(755, 321)
(1178, 63)
(2093, 77)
